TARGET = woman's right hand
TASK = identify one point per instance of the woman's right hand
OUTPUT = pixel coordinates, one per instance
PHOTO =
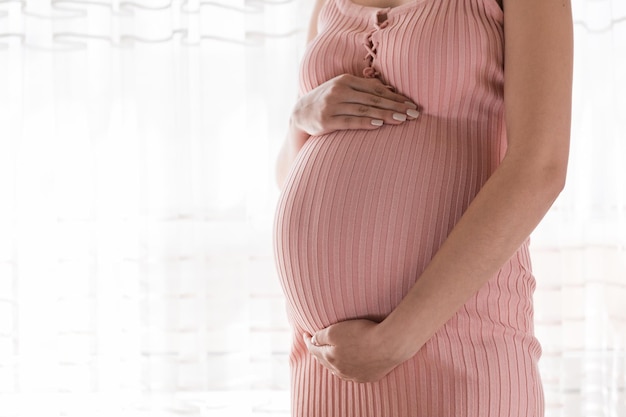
(351, 102)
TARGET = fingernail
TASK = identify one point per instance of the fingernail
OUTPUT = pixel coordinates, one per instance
(413, 113)
(377, 122)
(399, 117)
(408, 103)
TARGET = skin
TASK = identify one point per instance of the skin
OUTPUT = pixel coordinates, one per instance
(537, 97)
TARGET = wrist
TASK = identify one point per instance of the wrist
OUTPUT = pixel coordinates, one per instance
(403, 341)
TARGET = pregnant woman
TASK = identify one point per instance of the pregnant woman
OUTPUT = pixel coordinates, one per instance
(429, 139)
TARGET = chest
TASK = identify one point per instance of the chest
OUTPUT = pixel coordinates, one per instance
(416, 47)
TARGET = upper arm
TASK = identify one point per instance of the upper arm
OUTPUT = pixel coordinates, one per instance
(313, 21)
(538, 61)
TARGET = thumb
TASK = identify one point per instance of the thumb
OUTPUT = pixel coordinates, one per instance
(309, 341)
(321, 338)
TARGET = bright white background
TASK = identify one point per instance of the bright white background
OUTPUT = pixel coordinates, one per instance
(137, 150)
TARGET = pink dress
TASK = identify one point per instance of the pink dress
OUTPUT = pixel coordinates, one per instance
(362, 212)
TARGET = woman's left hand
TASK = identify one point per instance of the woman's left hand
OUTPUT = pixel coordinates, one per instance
(354, 350)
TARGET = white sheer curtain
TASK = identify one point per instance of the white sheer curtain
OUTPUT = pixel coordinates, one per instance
(137, 151)
(136, 195)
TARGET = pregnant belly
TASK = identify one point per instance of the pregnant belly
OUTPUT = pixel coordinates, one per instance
(363, 212)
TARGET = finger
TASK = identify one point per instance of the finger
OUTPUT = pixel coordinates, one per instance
(372, 100)
(321, 338)
(343, 122)
(307, 340)
(315, 351)
(375, 87)
(390, 117)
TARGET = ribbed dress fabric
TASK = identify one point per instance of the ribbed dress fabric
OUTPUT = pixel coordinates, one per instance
(362, 212)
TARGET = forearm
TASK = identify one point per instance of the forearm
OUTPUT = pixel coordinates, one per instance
(289, 151)
(499, 219)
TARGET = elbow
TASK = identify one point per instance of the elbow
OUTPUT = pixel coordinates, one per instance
(279, 182)
(547, 171)
(543, 178)
(551, 179)
(277, 178)
(557, 184)
(561, 182)
(555, 174)
(279, 174)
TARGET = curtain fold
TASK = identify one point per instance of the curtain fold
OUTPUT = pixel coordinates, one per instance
(137, 194)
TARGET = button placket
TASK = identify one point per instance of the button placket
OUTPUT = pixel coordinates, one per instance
(380, 23)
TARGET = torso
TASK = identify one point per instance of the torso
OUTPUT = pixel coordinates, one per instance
(363, 204)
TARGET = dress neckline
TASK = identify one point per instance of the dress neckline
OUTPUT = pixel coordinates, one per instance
(350, 7)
